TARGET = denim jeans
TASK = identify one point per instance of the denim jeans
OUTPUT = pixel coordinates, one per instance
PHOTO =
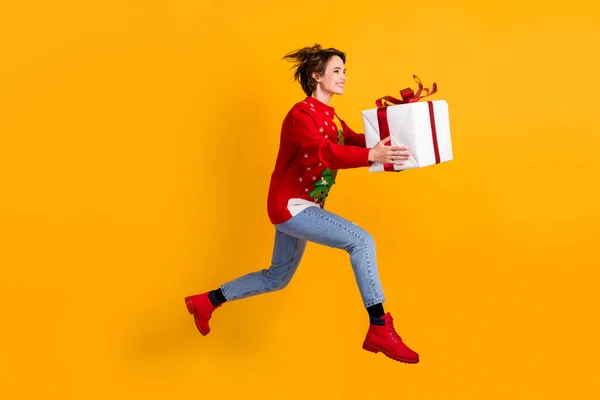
(319, 226)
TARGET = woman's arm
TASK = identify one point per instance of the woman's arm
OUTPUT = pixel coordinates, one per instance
(352, 138)
(314, 146)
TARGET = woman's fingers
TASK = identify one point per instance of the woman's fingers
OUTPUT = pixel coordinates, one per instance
(384, 141)
(398, 158)
(396, 147)
(405, 155)
(397, 155)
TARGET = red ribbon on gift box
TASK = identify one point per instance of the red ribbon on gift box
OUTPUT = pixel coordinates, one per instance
(408, 96)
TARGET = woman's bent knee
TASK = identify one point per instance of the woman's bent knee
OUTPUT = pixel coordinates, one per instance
(362, 240)
(273, 281)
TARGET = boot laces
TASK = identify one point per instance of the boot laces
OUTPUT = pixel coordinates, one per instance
(395, 337)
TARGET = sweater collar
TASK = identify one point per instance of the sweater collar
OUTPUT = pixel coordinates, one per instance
(317, 104)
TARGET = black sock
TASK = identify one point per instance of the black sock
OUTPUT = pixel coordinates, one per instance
(375, 313)
(216, 297)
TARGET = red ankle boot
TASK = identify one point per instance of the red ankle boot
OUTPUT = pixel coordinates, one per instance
(201, 308)
(383, 338)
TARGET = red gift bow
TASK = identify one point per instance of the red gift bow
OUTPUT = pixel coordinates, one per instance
(408, 95)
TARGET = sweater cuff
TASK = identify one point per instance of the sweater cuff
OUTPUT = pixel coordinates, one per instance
(367, 162)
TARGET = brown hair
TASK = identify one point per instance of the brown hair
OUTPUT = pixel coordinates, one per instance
(308, 60)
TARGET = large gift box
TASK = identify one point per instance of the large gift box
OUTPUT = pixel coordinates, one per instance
(424, 127)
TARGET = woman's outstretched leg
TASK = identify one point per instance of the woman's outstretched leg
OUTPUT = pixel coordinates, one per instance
(287, 253)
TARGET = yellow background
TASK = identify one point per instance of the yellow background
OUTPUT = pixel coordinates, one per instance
(137, 140)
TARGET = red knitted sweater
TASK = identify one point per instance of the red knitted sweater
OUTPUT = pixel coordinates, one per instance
(311, 150)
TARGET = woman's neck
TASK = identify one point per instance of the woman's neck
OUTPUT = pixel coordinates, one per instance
(321, 96)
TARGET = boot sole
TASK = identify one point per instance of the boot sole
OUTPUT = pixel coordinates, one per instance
(192, 310)
(375, 349)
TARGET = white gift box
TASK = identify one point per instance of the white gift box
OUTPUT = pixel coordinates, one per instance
(424, 127)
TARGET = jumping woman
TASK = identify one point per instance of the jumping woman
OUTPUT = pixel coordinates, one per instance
(314, 144)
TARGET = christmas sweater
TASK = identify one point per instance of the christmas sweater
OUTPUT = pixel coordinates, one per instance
(312, 148)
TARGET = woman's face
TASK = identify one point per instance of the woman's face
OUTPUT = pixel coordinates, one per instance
(334, 78)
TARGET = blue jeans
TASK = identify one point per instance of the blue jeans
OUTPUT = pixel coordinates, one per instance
(319, 226)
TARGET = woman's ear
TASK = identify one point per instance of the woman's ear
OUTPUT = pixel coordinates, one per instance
(315, 76)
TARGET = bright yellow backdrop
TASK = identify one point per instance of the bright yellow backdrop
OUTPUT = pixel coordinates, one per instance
(137, 140)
